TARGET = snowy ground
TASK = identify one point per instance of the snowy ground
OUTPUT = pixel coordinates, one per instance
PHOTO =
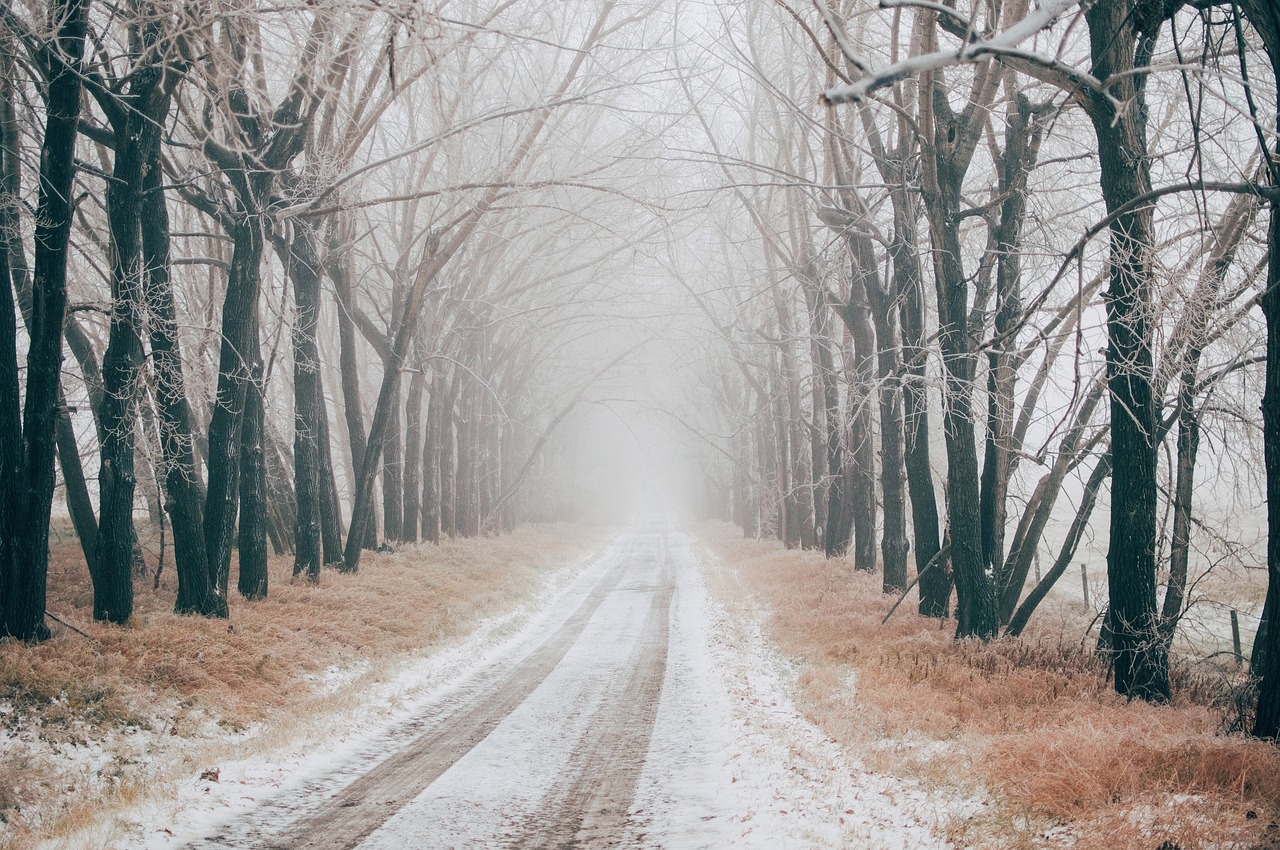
(631, 710)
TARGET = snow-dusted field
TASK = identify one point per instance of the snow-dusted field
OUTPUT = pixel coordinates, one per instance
(629, 710)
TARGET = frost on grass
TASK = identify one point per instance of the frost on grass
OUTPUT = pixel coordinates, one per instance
(1032, 725)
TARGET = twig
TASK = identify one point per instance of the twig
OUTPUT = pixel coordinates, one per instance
(933, 562)
(53, 616)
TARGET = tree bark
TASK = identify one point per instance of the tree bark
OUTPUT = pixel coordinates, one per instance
(308, 401)
(953, 138)
(22, 615)
(1265, 17)
(235, 374)
(135, 133)
(1141, 660)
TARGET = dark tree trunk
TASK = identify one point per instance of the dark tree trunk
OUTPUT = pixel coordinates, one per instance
(308, 402)
(1180, 541)
(135, 133)
(352, 406)
(10, 390)
(196, 586)
(1141, 661)
(23, 614)
(1022, 142)
(252, 533)
(79, 503)
(236, 367)
(330, 507)
(952, 140)
(1265, 17)
(935, 584)
(893, 542)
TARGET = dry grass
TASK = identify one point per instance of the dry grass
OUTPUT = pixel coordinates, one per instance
(1033, 722)
(187, 677)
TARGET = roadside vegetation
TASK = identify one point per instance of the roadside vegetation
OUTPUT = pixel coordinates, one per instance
(91, 723)
(1030, 724)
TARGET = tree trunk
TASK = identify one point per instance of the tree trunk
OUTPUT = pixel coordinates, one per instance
(431, 462)
(1011, 576)
(23, 614)
(448, 468)
(134, 134)
(393, 475)
(1141, 661)
(935, 584)
(1021, 147)
(79, 503)
(252, 532)
(196, 582)
(235, 373)
(1022, 616)
(413, 457)
(1265, 17)
(10, 389)
(308, 401)
(330, 507)
(352, 405)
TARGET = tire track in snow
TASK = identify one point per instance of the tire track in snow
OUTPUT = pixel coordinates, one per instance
(347, 818)
(591, 807)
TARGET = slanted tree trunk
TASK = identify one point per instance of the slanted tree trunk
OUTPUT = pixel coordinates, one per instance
(352, 405)
(1022, 616)
(185, 500)
(79, 503)
(1012, 574)
(330, 507)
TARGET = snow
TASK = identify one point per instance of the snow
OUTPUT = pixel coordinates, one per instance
(752, 772)
(731, 763)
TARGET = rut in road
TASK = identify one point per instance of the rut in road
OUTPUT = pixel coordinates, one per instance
(365, 804)
(348, 817)
(590, 807)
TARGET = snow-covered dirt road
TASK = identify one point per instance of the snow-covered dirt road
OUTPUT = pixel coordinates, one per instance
(632, 712)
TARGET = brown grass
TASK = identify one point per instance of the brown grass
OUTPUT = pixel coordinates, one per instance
(1031, 722)
(177, 675)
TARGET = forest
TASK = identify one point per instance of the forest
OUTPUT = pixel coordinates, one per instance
(952, 290)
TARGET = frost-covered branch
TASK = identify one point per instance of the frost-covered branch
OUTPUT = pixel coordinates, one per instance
(1004, 46)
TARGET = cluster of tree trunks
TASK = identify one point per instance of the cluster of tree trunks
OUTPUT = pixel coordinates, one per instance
(450, 437)
(931, 115)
